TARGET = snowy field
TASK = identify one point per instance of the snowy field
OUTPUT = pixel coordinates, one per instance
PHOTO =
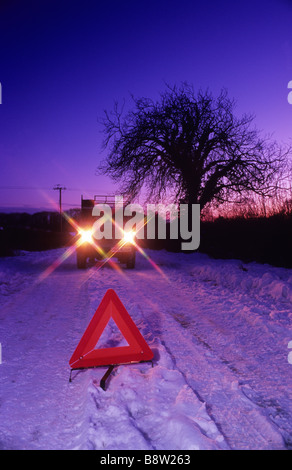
(219, 331)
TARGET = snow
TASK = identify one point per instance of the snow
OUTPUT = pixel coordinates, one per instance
(220, 332)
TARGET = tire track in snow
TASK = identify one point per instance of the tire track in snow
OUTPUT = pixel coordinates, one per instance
(245, 420)
(151, 406)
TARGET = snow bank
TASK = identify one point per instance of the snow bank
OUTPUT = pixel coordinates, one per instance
(9, 283)
(249, 279)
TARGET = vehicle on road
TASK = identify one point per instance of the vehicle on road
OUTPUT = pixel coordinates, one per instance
(123, 247)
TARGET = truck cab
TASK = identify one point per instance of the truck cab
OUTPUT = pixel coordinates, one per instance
(118, 244)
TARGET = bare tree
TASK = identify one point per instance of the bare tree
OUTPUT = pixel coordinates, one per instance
(191, 144)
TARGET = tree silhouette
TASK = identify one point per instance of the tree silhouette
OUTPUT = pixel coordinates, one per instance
(191, 144)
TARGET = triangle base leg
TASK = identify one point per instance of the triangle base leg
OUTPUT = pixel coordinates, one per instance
(106, 375)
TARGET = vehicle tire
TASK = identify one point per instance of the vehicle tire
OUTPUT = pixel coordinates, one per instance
(81, 261)
(131, 261)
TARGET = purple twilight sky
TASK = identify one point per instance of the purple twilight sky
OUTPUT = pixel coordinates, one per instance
(63, 62)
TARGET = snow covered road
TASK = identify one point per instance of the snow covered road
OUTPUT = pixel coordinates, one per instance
(219, 331)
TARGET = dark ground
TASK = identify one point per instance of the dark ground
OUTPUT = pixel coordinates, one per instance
(265, 240)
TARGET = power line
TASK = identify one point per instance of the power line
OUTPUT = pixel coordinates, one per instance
(33, 188)
(24, 188)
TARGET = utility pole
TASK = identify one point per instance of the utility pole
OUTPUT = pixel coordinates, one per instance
(60, 189)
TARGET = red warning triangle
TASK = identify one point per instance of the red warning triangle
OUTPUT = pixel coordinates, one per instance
(85, 355)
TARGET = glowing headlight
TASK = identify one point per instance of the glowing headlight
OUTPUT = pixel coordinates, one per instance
(85, 236)
(129, 237)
